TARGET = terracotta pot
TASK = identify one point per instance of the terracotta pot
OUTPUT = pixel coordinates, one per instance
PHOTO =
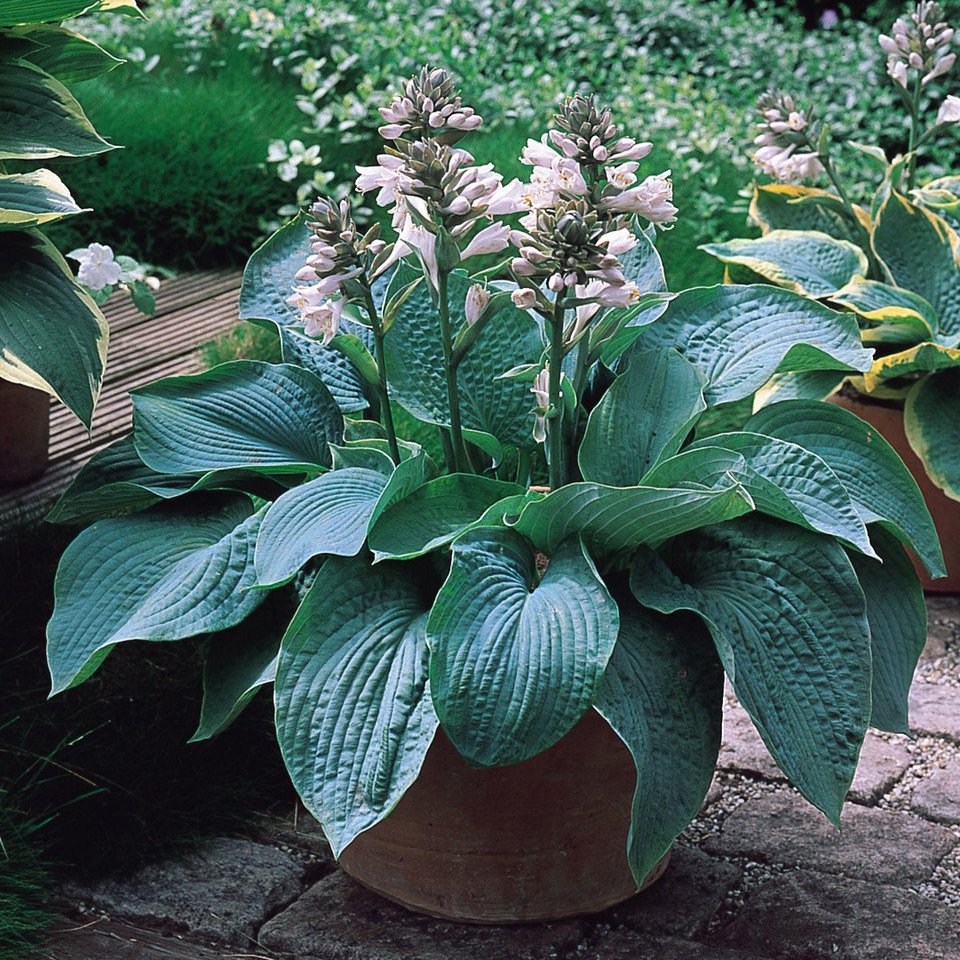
(887, 419)
(539, 840)
(24, 433)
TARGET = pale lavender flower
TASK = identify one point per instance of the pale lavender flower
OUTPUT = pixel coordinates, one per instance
(949, 111)
(478, 299)
(651, 199)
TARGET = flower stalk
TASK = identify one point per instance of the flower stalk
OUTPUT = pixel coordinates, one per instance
(461, 461)
(386, 414)
(557, 471)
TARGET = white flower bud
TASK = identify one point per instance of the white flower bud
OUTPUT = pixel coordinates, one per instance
(524, 298)
(478, 298)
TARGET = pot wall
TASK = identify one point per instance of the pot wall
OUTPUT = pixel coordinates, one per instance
(538, 840)
(888, 421)
(24, 433)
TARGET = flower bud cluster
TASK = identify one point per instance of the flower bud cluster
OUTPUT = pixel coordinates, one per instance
(920, 43)
(785, 139)
(428, 106)
(339, 255)
(585, 154)
(572, 249)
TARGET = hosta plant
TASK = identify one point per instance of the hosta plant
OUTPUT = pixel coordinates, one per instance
(586, 537)
(892, 262)
(53, 336)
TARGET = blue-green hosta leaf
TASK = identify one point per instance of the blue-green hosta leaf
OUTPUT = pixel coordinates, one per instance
(739, 336)
(270, 274)
(515, 663)
(53, 337)
(501, 408)
(271, 418)
(804, 261)
(662, 694)
(330, 365)
(931, 418)
(788, 619)
(611, 519)
(880, 486)
(67, 55)
(782, 206)
(33, 199)
(40, 118)
(268, 279)
(439, 511)
(114, 480)
(642, 265)
(785, 481)
(237, 664)
(898, 628)
(943, 197)
(901, 316)
(919, 251)
(171, 573)
(328, 515)
(333, 514)
(645, 414)
(354, 714)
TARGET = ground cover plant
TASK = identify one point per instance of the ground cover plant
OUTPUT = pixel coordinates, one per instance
(688, 71)
(589, 535)
(892, 262)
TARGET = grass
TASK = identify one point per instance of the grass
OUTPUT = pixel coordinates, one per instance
(189, 187)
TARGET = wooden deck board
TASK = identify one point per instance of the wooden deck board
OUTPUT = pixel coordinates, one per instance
(191, 311)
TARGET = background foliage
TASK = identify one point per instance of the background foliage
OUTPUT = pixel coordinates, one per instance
(684, 75)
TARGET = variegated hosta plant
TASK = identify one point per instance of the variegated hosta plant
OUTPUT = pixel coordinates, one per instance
(53, 336)
(893, 261)
(579, 541)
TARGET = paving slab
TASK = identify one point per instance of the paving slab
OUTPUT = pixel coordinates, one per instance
(943, 624)
(882, 764)
(935, 710)
(937, 797)
(809, 916)
(885, 846)
(684, 901)
(220, 892)
(105, 940)
(742, 751)
(337, 919)
(629, 945)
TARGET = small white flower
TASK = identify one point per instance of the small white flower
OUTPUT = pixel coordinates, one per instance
(98, 269)
(651, 199)
(538, 153)
(524, 298)
(622, 176)
(491, 239)
(478, 299)
(507, 199)
(949, 111)
(618, 241)
(385, 177)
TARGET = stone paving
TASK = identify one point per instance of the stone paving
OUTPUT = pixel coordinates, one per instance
(759, 875)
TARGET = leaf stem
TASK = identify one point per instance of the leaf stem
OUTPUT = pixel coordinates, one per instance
(579, 384)
(460, 458)
(555, 416)
(386, 414)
